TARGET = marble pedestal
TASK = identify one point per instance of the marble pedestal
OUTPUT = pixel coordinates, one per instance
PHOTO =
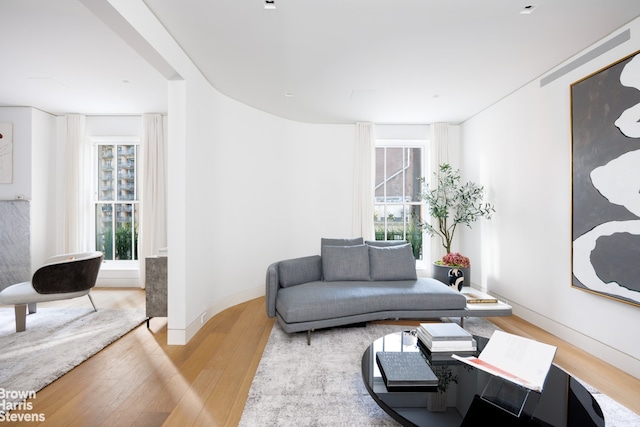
(156, 286)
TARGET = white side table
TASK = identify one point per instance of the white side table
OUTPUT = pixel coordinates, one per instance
(484, 309)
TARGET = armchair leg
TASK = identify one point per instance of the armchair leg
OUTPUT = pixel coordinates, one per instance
(91, 299)
(21, 317)
(33, 307)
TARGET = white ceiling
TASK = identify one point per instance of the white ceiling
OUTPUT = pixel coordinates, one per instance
(59, 57)
(342, 61)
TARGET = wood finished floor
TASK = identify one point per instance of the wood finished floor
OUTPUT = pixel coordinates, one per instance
(141, 381)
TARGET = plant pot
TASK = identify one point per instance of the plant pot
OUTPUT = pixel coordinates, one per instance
(455, 277)
(437, 402)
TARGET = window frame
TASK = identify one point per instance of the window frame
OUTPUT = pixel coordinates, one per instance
(413, 143)
(96, 142)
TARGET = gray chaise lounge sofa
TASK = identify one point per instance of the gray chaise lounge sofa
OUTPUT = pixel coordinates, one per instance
(353, 281)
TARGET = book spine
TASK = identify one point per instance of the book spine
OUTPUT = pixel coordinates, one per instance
(482, 301)
(384, 375)
(465, 337)
(458, 344)
(443, 356)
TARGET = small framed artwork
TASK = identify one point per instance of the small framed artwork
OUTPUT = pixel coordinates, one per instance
(6, 153)
(605, 168)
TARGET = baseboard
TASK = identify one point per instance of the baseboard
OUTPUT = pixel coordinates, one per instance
(183, 336)
(118, 283)
(608, 354)
(119, 276)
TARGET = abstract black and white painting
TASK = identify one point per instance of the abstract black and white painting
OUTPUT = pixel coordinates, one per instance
(605, 154)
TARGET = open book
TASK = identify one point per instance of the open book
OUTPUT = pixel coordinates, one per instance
(523, 361)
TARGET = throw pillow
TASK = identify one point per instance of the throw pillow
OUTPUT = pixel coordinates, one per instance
(340, 242)
(299, 270)
(392, 263)
(345, 263)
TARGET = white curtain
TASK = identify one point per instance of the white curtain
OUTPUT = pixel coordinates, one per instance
(363, 192)
(152, 232)
(77, 187)
(439, 154)
(439, 140)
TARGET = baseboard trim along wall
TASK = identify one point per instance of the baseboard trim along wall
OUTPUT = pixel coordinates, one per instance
(612, 356)
(118, 276)
(183, 336)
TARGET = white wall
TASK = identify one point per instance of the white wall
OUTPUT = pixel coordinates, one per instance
(21, 118)
(245, 188)
(259, 189)
(520, 150)
(43, 195)
(33, 167)
(113, 126)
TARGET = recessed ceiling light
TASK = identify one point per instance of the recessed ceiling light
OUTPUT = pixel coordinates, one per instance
(288, 94)
(528, 9)
(270, 4)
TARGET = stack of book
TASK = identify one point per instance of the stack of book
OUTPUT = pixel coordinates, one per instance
(441, 340)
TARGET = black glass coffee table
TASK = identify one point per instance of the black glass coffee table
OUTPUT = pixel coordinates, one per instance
(563, 402)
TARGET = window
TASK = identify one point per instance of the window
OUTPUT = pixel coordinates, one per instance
(397, 207)
(116, 198)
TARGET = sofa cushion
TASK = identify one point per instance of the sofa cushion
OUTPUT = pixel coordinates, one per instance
(345, 263)
(24, 293)
(299, 270)
(340, 242)
(328, 300)
(392, 263)
(385, 242)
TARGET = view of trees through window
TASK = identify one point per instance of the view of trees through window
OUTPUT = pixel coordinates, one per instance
(116, 207)
(397, 207)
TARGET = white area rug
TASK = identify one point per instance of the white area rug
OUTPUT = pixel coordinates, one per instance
(321, 384)
(56, 340)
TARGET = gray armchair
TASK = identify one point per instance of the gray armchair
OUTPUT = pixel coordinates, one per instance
(62, 277)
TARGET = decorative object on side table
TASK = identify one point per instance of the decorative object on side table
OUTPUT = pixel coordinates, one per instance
(451, 203)
(453, 269)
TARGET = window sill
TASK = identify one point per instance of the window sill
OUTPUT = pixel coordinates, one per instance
(120, 265)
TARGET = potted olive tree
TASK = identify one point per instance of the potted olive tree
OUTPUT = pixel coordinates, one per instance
(452, 203)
